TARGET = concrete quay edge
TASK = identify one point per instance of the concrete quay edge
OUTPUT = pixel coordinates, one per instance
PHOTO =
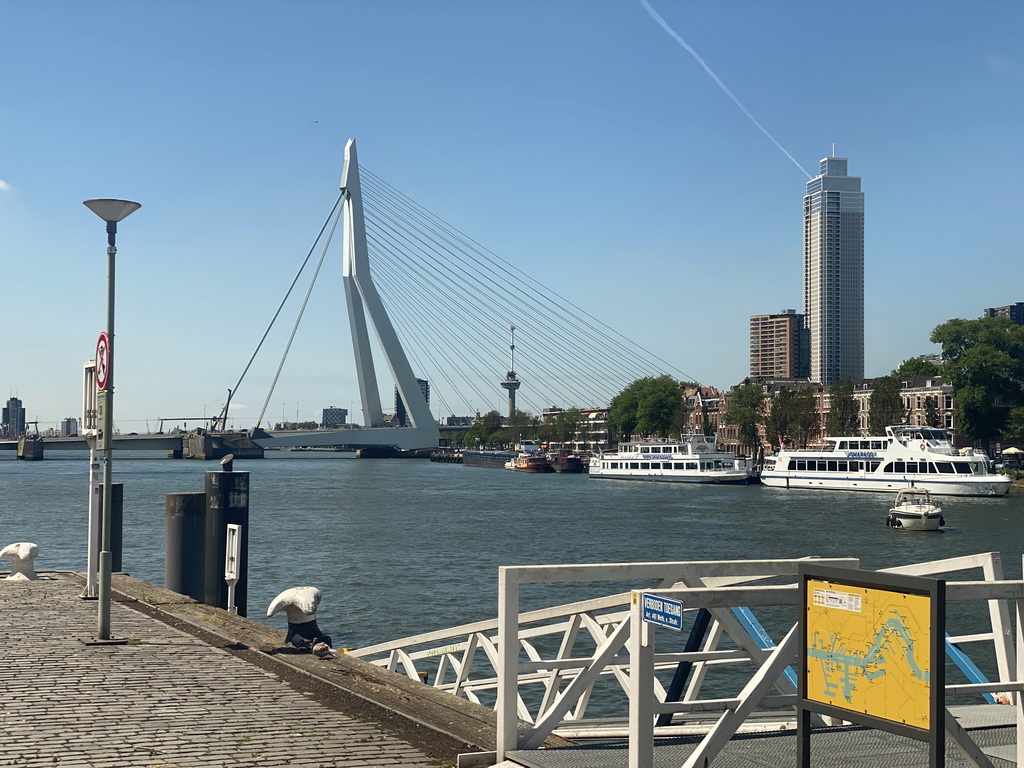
(417, 713)
(422, 715)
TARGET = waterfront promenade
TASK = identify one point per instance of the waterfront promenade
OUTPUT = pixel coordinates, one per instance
(187, 685)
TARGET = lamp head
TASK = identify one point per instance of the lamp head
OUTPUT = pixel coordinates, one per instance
(111, 210)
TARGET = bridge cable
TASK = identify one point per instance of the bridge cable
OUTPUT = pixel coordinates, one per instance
(305, 301)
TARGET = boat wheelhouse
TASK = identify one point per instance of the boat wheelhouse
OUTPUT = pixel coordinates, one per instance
(917, 457)
(691, 459)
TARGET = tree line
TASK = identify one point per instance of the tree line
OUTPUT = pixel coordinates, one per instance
(983, 361)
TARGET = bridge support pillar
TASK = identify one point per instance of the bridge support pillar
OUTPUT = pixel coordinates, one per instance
(30, 448)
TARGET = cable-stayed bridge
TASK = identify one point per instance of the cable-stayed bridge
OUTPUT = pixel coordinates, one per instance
(441, 306)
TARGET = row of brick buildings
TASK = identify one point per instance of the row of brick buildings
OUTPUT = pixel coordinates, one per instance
(706, 404)
(915, 391)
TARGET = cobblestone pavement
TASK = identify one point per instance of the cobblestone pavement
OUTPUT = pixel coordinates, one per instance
(161, 699)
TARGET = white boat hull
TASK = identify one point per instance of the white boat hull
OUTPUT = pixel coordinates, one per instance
(982, 486)
(915, 522)
(712, 478)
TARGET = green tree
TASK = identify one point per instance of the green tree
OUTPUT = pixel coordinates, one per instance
(490, 423)
(805, 424)
(622, 412)
(886, 405)
(648, 406)
(931, 411)
(1013, 431)
(984, 361)
(916, 366)
(484, 430)
(567, 424)
(842, 415)
(521, 425)
(745, 411)
(778, 421)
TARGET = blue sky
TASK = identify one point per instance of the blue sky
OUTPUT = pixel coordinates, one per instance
(578, 139)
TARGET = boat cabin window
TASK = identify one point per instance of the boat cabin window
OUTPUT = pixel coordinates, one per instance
(691, 465)
(945, 467)
(962, 467)
(634, 465)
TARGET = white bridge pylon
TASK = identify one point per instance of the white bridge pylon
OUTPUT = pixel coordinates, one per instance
(365, 303)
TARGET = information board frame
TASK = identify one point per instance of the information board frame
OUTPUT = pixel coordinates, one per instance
(873, 585)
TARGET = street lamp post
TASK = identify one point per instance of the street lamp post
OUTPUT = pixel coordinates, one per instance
(111, 211)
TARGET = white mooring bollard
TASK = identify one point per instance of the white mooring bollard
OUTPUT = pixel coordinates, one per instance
(21, 554)
(299, 604)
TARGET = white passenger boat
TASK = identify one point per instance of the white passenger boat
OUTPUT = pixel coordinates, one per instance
(915, 510)
(691, 459)
(917, 457)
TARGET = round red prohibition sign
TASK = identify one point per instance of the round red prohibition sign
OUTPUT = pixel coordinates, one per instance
(103, 361)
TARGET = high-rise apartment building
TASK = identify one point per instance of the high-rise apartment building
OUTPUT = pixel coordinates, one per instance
(778, 346)
(401, 416)
(834, 273)
(1013, 311)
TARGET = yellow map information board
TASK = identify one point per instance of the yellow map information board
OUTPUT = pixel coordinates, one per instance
(869, 651)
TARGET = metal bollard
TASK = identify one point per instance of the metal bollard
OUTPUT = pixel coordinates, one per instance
(185, 544)
(227, 502)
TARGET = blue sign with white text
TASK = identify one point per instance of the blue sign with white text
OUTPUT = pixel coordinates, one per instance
(663, 611)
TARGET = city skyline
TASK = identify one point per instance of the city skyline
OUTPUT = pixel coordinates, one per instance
(632, 162)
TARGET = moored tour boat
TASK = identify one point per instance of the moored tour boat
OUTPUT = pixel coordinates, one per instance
(915, 510)
(919, 457)
(691, 459)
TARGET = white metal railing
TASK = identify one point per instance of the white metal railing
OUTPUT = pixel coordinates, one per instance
(645, 704)
(542, 670)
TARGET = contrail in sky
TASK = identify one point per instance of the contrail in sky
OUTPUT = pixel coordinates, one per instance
(664, 25)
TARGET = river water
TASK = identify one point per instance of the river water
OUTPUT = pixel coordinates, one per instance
(400, 547)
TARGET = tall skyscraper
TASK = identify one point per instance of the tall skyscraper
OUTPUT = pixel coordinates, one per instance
(834, 273)
(13, 418)
(778, 346)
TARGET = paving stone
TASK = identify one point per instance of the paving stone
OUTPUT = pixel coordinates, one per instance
(164, 699)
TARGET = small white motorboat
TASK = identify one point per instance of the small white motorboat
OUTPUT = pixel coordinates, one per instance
(915, 510)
